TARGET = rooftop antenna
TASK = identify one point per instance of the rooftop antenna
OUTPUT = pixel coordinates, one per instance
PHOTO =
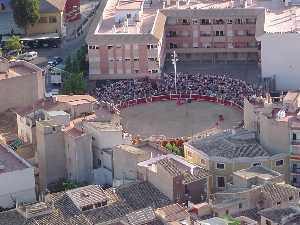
(174, 62)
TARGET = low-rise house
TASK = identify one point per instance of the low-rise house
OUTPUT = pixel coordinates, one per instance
(173, 214)
(17, 179)
(132, 204)
(51, 18)
(176, 178)
(232, 150)
(280, 216)
(254, 188)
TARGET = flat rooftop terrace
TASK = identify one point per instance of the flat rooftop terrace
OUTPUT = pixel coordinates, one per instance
(16, 71)
(9, 161)
(279, 18)
(147, 19)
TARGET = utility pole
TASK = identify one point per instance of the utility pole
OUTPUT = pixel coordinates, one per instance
(174, 61)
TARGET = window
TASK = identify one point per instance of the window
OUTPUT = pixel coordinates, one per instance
(227, 212)
(256, 164)
(43, 20)
(195, 21)
(99, 162)
(221, 182)
(279, 162)
(278, 203)
(109, 46)
(136, 59)
(173, 45)
(128, 16)
(294, 136)
(136, 71)
(127, 59)
(220, 166)
(151, 59)
(88, 207)
(154, 71)
(219, 33)
(240, 205)
(52, 19)
(291, 198)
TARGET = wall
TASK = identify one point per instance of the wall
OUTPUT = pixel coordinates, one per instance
(79, 158)
(274, 135)
(125, 164)
(250, 118)
(280, 55)
(17, 185)
(41, 28)
(51, 153)
(21, 91)
(104, 139)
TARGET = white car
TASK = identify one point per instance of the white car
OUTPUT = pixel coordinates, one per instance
(29, 56)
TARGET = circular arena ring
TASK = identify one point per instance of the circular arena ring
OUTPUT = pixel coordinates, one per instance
(177, 116)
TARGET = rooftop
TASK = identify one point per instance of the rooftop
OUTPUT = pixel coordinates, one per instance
(104, 126)
(74, 99)
(131, 149)
(10, 161)
(121, 201)
(214, 221)
(85, 196)
(230, 145)
(16, 69)
(279, 18)
(173, 212)
(257, 171)
(280, 215)
(279, 191)
(177, 166)
(50, 6)
(141, 216)
(149, 23)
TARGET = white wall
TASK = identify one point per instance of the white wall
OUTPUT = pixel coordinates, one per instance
(280, 54)
(17, 185)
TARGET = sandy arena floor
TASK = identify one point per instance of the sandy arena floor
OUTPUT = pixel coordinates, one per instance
(171, 120)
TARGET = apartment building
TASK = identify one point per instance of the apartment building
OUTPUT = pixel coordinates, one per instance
(228, 151)
(21, 84)
(275, 119)
(131, 39)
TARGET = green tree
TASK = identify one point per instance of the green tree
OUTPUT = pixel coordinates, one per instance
(14, 43)
(74, 84)
(25, 12)
(68, 64)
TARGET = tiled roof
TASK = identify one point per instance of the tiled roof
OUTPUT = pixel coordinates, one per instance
(174, 169)
(228, 145)
(251, 213)
(172, 212)
(279, 215)
(278, 192)
(121, 201)
(141, 216)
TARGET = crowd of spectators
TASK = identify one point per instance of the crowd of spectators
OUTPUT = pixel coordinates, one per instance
(221, 86)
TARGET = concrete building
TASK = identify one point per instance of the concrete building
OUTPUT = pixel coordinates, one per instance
(228, 151)
(105, 136)
(131, 39)
(126, 157)
(79, 155)
(276, 122)
(50, 152)
(181, 181)
(17, 179)
(21, 84)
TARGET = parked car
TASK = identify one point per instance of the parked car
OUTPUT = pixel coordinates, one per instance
(30, 55)
(58, 59)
